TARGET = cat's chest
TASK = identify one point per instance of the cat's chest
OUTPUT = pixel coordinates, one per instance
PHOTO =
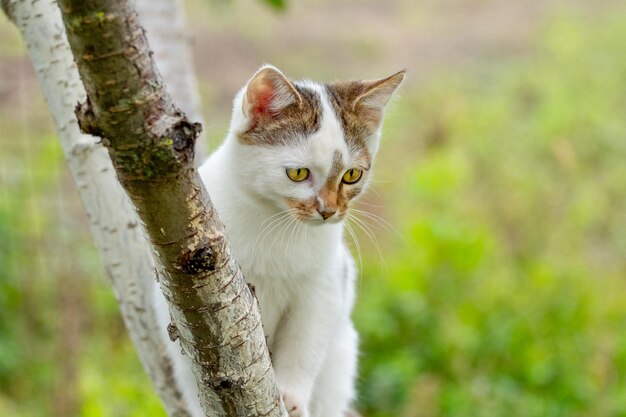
(284, 261)
(284, 252)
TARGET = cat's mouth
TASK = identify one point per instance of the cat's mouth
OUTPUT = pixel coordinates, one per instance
(316, 219)
(309, 212)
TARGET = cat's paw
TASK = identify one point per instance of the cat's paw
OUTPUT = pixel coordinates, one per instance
(295, 406)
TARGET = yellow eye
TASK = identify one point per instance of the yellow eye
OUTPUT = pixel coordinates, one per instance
(298, 174)
(352, 175)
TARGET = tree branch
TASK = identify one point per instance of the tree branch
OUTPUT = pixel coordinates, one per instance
(123, 248)
(151, 144)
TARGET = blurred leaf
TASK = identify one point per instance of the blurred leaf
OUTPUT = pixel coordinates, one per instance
(276, 4)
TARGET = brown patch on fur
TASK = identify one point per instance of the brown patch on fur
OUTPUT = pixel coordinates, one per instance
(336, 167)
(292, 122)
(359, 106)
(330, 196)
(353, 192)
(346, 193)
(303, 209)
(341, 96)
(335, 200)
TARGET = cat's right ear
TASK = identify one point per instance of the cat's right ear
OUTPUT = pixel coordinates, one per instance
(372, 100)
(267, 94)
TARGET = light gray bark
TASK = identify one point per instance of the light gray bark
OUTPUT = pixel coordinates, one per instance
(114, 226)
(215, 315)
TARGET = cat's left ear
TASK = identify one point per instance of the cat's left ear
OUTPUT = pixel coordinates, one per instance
(268, 93)
(373, 98)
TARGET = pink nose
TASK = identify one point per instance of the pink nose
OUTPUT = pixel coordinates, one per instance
(326, 213)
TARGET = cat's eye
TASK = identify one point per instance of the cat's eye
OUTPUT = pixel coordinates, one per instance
(298, 174)
(352, 175)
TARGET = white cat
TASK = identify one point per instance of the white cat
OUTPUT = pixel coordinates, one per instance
(295, 155)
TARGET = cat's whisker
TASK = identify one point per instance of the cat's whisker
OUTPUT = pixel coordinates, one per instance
(293, 231)
(359, 202)
(306, 234)
(274, 216)
(282, 232)
(368, 231)
(379, 181)
(278, 219)
(373, 190)
(358, 248)
(275, 230)
(285, 234)
(381, 221)
(265, 224)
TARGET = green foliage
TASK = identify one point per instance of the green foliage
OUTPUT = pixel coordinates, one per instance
(505, 299)
(123, 380)
(37, 275)
(276, 4)
(504, 296)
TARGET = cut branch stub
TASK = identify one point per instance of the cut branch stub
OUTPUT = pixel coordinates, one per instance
(172, 332)
(198, 261)
(205, 258)
(185, 135)
(172, 140)
(87, 120)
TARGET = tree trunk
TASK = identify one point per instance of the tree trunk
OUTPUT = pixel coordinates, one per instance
(151, 145)
(123, 248)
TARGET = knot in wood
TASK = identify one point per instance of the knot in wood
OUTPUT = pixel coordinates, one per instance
(87, 121)
(198, 261)
(184, 135)
(223, 383)
(172, 332)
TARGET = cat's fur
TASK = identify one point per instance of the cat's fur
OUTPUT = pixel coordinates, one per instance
(288, 236)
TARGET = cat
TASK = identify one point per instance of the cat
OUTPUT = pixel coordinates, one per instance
(296, 154)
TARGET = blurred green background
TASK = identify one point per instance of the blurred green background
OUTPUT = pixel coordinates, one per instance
(495, 284)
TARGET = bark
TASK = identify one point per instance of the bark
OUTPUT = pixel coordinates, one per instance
(165, 24)
(230, 364)
(123, 248)
(151, 144)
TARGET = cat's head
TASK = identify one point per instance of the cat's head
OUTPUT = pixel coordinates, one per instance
(307, 147)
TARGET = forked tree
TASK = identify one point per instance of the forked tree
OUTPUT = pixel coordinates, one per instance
(131, 150)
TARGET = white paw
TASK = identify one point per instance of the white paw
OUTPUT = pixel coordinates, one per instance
(294, 404)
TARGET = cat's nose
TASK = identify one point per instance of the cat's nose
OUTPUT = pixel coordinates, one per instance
(326, 213)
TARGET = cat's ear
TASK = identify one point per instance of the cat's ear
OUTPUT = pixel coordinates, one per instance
(373, 98)
(268, 93)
